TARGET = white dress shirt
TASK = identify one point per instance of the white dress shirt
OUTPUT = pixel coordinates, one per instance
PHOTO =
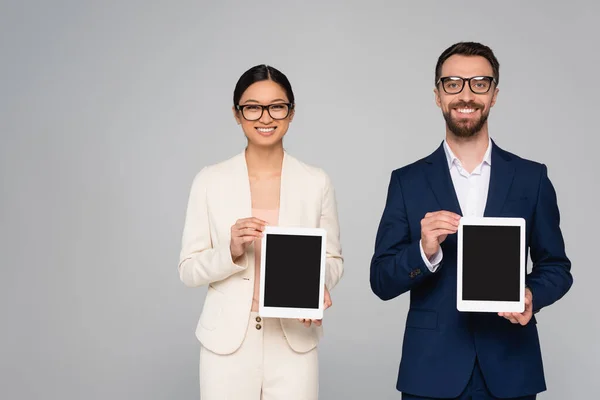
(471, 190)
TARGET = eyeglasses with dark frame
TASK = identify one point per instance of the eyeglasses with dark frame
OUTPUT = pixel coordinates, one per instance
(455, 84)
(254, 112)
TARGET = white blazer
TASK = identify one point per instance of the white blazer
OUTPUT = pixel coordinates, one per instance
(220, 195)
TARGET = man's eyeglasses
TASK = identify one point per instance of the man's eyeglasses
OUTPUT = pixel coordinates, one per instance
(477, 84)
(254, 112)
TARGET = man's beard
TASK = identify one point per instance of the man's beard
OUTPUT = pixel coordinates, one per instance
(462, 129)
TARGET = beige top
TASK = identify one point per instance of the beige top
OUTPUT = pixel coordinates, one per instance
(272, 217)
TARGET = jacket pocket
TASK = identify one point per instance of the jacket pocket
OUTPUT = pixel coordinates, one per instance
(211, 311)
(422, 319)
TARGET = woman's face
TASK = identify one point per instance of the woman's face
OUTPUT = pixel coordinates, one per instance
(268, 129)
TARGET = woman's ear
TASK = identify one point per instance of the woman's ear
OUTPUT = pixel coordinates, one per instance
(236, 115)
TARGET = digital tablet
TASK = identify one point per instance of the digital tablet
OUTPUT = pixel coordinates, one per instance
(491, 265)
(292, 272)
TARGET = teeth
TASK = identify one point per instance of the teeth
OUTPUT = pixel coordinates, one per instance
(466, 110)
(265, 130)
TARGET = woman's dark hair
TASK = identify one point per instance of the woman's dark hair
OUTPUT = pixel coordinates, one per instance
(262, 73)
(468, 49)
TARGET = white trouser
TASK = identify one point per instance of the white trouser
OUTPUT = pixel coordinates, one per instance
(264, 368)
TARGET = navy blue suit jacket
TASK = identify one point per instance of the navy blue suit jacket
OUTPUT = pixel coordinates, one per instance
(440, 343)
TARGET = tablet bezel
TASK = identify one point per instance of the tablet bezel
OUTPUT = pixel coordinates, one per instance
(488, 305)
(289, 312)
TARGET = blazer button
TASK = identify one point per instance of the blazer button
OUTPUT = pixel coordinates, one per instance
(258, 326)
(258, 319)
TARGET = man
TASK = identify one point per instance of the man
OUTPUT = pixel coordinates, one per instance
(446, 353)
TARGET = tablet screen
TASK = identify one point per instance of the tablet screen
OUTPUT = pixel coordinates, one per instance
(292, 271)
(491, 263)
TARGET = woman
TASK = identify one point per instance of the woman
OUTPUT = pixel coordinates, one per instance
(244, 356)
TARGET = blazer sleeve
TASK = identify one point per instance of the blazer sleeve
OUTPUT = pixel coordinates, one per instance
(397, 264)
(550, 277)
(334, 268)
(201, 263)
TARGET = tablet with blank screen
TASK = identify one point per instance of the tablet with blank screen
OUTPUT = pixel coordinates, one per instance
(491, 264)
(292, 272)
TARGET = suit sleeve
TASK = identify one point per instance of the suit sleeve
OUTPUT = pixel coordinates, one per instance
(329, 221)
(397, 264)
(550, 278)
(200, 263)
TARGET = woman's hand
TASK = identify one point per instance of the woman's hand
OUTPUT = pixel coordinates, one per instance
(326, 304)
(244, 232)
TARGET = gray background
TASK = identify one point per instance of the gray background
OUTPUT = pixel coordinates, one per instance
(109, 108)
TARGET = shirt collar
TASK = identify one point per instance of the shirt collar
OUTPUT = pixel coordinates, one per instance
(452, 159)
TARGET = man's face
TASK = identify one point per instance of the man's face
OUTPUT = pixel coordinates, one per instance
(466, 107)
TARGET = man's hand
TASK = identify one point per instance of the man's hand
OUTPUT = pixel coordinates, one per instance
(326, 304)
(524, 317)
(435, 227)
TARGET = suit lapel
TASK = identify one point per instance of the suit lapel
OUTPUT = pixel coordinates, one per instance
(502, 174)
(283, 189)
(438, 176)
(241, 202)
(243, 198)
